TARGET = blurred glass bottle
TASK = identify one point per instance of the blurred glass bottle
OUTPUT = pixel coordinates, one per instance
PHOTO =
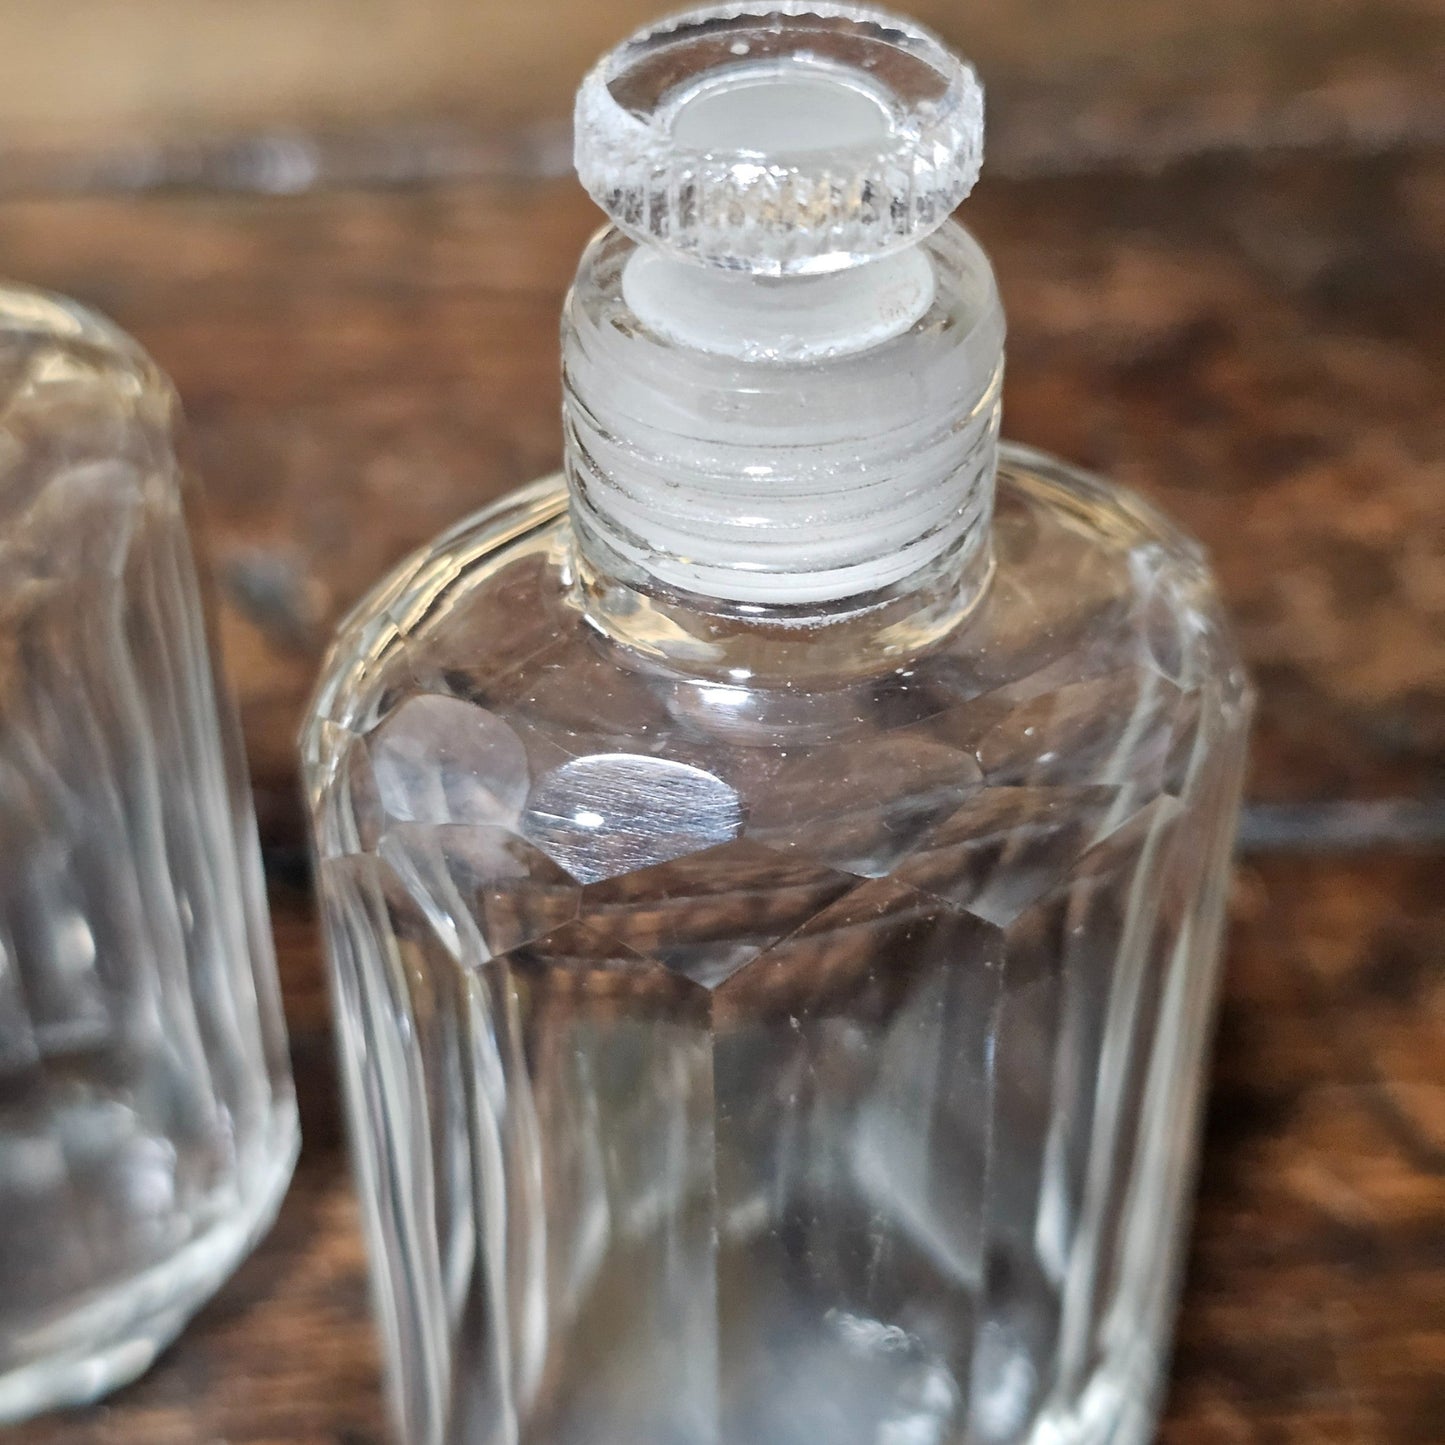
(147, 1120)
(774, 876)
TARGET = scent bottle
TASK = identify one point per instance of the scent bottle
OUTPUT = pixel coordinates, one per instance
(147, 1120)
(774, 871)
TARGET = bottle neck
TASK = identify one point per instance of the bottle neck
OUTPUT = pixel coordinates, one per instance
(813, 644)
(781, 456)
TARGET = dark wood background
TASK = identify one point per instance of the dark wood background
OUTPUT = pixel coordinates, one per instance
(1224, 263)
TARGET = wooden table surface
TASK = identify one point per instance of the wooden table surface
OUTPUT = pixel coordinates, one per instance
(1253, 341)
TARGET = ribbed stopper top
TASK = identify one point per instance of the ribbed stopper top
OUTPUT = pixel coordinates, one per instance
(780, 139)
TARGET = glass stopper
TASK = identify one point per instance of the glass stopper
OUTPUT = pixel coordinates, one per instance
(780, 139)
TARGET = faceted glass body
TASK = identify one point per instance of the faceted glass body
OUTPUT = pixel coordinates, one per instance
(147, 1124)
(801, 1056)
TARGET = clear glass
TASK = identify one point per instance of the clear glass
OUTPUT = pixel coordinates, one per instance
(785, 139)
(768, 1029)
(147, 1123)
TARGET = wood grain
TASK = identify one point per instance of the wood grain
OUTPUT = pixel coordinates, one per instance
(1252, 340)
(123, 90)
(1253, 343)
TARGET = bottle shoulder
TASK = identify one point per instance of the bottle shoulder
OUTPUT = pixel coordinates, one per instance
(472, 689)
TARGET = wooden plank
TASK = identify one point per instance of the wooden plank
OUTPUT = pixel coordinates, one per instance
(1253, 345)
(1068, 82)
(1312, 1304)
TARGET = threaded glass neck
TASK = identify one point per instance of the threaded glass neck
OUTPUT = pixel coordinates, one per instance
(823, 465)
(782, 366)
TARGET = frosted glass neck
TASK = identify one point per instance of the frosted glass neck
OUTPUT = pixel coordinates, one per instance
(782, 445)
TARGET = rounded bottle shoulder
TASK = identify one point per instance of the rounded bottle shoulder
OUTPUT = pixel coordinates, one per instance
(85, 431)
(471, 689)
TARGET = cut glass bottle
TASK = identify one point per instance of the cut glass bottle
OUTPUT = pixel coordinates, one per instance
(774, 872)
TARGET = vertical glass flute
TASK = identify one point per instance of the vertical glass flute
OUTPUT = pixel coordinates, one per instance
(147, 1122)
